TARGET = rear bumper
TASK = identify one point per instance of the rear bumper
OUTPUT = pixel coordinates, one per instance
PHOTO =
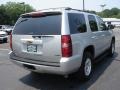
(66, 65)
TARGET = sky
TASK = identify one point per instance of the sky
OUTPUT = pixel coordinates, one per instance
(76, 4)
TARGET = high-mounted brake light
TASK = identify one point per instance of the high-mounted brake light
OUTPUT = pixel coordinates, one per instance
(66, 46)
(11, 41)
(37, 14)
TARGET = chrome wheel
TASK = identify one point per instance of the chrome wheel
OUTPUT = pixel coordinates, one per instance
(88, 66)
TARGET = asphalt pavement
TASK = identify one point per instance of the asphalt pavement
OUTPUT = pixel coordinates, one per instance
(106, 75)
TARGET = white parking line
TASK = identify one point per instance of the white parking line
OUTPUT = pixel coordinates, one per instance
(4, 49)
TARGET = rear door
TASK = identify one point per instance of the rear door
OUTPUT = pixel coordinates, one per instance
(106, 35)
(38, 37)
(96, 35)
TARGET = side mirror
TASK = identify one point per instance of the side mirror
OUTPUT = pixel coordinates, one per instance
(111, 26)
(103, 27)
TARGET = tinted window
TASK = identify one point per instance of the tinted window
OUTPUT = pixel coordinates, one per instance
(47, 25)
(102, 25)
(93, 23)
(77, 23)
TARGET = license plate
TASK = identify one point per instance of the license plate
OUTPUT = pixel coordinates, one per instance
(32, 48)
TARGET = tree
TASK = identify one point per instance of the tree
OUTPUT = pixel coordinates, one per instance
(115, 11)
(3, 15)
(118, 16)
(110, 13)
(106, 13)
(13, 10)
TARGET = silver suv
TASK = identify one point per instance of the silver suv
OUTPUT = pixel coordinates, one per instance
(60, 41)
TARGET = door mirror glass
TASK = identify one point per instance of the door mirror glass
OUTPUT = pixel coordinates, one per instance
(103, 27)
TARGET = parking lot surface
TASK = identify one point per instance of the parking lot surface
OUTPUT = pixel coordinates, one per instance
(106, 75)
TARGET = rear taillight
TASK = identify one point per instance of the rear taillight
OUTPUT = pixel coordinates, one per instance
(66, 46)
(11, 41)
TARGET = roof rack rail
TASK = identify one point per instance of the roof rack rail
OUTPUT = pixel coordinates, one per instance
(66, 8)
(73, 9)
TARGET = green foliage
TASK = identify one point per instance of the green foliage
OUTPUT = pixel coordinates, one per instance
(11, 11)
(118, 16)
(3, 15)
(110, 13)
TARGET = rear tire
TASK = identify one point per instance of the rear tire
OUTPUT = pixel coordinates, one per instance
(112, 48)
(85, 71)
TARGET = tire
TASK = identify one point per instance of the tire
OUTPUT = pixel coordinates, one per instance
(112, 48)
(85, 71)
(5, 41)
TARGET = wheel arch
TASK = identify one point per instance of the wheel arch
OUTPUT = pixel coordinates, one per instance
(113, 38)
(90, 49)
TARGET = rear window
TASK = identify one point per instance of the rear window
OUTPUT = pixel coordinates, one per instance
(42, 25)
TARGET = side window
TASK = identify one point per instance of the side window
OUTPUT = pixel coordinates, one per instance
(102, 24)
(77, 23)
(93, 23)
